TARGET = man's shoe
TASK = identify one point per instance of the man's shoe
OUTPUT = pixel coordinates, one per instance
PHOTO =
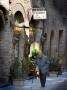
(42, 87)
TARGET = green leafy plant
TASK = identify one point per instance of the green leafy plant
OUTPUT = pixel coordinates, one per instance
(32, 62)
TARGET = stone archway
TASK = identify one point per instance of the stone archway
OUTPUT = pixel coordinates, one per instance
(18, 17)
(18, 8)
(20, 46)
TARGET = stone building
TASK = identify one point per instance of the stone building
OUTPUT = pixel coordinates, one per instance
(22, 13)
(14, 14)
(55, 30)
(6, 35)
(15, 40)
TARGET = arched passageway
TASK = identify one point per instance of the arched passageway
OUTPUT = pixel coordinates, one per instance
(20, 46)
(52, 52)
(18, 17)
(61, 43)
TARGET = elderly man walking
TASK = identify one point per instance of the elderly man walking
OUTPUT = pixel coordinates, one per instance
(43, 64)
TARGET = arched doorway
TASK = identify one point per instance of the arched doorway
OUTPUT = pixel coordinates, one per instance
(52, 44)
(20, 47)
(18, 17)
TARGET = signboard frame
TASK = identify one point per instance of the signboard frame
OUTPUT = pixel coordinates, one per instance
(39, 14)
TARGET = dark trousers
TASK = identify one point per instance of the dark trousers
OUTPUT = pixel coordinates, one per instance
(42, 78)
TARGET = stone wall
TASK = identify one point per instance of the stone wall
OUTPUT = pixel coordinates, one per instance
(55, 29)
(5, 48)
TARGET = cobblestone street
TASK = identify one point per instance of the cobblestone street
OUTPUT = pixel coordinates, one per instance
(34, 84)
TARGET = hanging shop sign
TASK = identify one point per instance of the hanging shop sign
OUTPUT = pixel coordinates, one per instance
(39, 13)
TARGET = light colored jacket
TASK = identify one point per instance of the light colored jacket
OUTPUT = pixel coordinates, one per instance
(43, 64)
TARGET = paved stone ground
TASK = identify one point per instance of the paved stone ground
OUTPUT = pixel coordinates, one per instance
(34, 84)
